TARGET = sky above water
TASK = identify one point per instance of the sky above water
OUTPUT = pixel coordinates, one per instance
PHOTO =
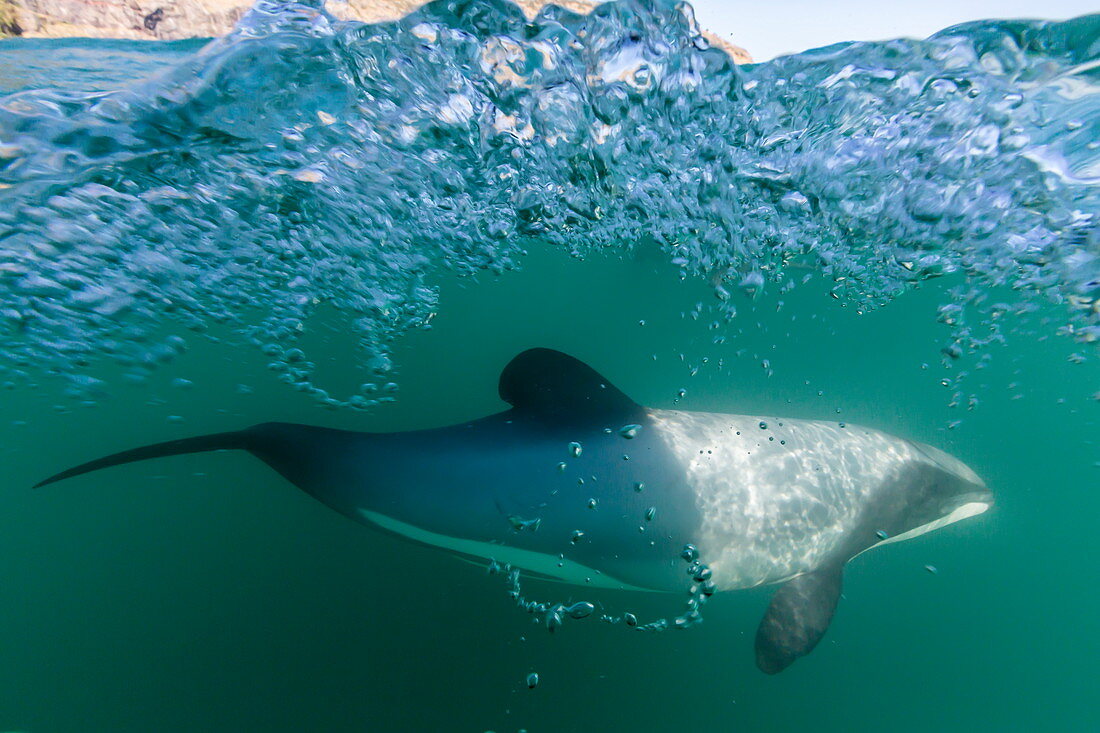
(771, 29)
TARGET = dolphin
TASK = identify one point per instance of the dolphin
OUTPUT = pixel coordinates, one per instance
(579, 483)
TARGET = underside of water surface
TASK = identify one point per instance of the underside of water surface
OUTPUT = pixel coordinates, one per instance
(303, 163)
(374, 219)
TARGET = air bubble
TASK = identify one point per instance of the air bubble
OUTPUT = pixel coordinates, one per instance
(579, 610)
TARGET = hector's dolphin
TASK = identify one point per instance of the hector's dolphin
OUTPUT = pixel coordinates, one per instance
(578, 482)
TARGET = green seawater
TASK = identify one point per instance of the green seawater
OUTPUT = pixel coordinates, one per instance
(206, 593)
(899, 235)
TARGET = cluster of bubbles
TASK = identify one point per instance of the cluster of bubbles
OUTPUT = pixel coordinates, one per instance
(552, 614)
(555, 614)
(303, 162)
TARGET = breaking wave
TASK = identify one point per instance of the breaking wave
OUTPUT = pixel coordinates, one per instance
(302, 162)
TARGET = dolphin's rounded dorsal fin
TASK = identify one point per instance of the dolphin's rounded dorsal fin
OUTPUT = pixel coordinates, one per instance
(551, 384)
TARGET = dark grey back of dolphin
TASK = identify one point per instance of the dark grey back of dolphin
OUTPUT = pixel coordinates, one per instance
(476, 480)
(536, 379)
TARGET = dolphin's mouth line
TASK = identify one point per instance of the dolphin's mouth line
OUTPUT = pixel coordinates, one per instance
(961, 512)
(982, 496)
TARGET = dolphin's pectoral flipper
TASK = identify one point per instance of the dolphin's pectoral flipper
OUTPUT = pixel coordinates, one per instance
(797, 618)
(555, 385)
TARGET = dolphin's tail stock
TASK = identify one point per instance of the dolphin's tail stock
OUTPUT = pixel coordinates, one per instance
(239, 439)
(265, 441)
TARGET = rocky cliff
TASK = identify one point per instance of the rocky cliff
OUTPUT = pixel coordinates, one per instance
(175, 19)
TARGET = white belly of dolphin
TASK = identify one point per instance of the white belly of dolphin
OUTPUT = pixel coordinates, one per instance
(551, 566)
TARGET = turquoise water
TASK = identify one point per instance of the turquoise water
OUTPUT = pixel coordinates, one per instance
(832, 235)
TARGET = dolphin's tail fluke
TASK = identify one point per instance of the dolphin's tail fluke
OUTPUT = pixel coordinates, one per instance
(239, 439)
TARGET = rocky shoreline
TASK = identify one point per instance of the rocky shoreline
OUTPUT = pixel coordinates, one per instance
(179, 19)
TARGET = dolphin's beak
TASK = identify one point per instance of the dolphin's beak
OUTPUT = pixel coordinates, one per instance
(978, 496)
